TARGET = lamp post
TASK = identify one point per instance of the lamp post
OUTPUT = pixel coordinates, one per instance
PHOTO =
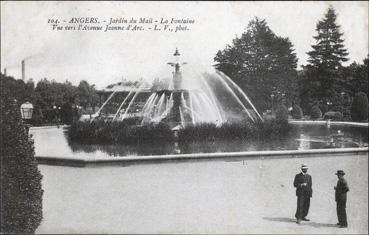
(343, 102)
(272, 97)
(175, 130)
(26, 113)
(329, 103)
(57, 110)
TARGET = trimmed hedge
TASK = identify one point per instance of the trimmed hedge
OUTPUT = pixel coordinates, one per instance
(101, 132)
(315, 112)
(336, 116)
(21, 192)
(359, 107)
(296, 112)
(323, 108)
(281, 114)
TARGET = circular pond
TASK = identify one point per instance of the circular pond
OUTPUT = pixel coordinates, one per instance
(54, 142)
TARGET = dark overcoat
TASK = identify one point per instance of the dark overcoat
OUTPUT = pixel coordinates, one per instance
(341, 191)
(301, 189)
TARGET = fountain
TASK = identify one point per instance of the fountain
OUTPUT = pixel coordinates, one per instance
(210, 97)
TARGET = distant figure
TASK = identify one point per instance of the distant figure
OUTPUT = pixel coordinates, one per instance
(341, 198)
(303, 183)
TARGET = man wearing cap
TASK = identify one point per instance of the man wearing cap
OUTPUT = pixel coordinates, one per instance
(303, 183)
(341, 198)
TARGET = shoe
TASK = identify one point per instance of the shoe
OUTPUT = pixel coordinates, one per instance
(338, 224)
(304, 219)
(343, 226)
(298, 221)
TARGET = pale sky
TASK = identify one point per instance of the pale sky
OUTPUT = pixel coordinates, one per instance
(102, 58)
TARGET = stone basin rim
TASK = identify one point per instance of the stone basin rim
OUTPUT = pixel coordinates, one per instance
(198, 156)
(292, 121)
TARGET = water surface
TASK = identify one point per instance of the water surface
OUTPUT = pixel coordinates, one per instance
(55, 142)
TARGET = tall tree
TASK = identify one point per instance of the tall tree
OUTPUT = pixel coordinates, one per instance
(324, 72)
(328, 51)
(87, 95)
(261, 63)
(55, 93)
(51, 96)
(357, 77)
(21, 91)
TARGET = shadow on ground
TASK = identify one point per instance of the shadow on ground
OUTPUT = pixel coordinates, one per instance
(289, 220)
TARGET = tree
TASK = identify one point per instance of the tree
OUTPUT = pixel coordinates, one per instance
(281, 114)
(360, 82)
(87, 95)
(356, 77)
(324, 72)
(21, 193)
(67, 113)
(329, 51)
(55, 93)
(316, 112)
(359, 108)
(296, 112)
(259, 61)
(19, 90)
(50, 96)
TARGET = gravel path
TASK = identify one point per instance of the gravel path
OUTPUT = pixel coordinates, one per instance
(250, 196)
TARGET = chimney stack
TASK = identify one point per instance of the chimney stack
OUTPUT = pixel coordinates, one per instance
(24, 70)
(5, 71)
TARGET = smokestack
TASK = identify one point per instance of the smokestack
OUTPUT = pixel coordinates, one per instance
(5, 71)
(23, 70)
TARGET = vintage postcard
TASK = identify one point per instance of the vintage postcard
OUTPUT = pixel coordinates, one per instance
(193, 117)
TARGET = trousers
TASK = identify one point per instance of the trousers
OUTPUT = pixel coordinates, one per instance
(341, 213)
(303, 205)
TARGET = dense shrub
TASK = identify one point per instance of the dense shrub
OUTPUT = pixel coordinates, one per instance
(323, 107)
(21, 193)
(315, 112)
(209, 131)
(337, 116)
(281, 114)
(103, 132)
(281, 119)
(296, 112)
(359, 107)
(274, 129)
(67, 114)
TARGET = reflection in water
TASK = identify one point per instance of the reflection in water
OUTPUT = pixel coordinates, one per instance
(55, 142)
(125, 150)
(317, 137)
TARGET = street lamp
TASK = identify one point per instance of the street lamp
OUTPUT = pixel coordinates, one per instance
(283, 98)
(57, 110)
(26, 113)
(272, 96)
(26, 110)
(343, 102)
(175, 130)
(329, 103)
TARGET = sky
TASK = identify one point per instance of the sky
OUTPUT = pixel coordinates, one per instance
(103, 58)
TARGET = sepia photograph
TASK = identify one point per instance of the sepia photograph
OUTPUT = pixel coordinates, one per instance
(184, 117)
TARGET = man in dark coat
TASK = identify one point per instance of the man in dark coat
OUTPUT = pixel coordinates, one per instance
(303, 184)
(341, 198)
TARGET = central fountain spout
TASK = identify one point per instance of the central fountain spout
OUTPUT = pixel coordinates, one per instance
(178, 91)
(177, 74)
